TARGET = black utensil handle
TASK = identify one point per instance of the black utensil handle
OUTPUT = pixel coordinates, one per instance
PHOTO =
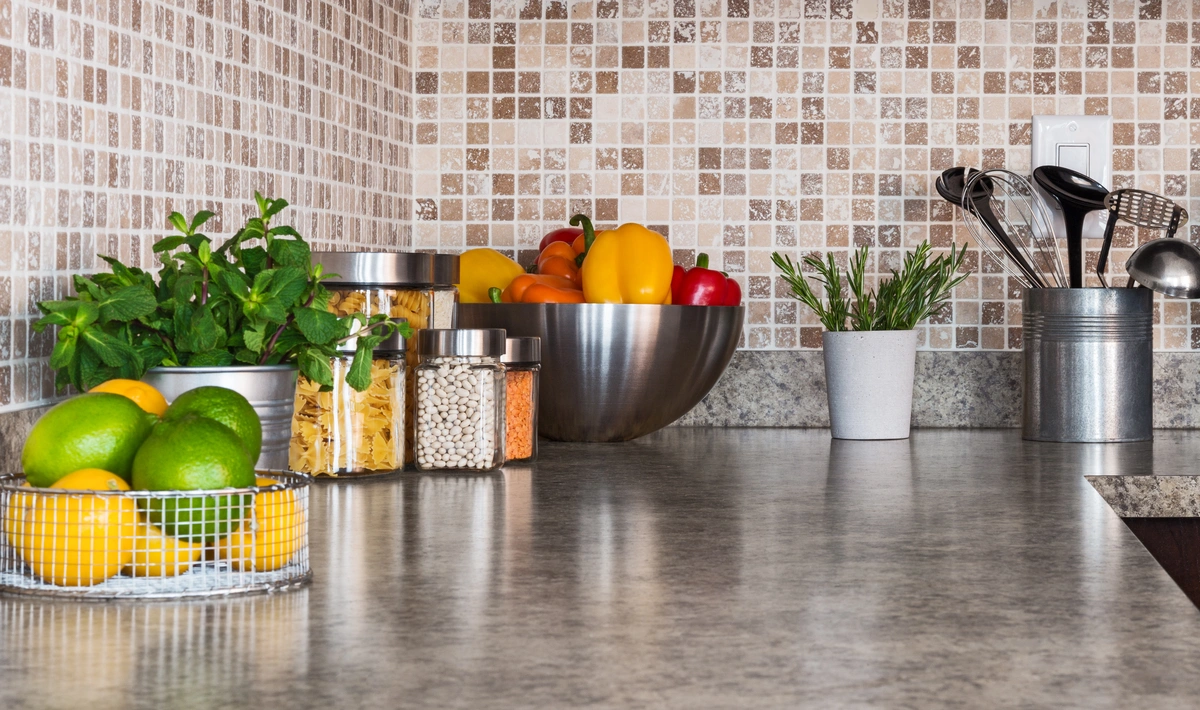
(1102, 261)
(1074, 221)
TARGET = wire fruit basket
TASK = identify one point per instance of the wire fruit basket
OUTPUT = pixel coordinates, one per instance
(112, 544)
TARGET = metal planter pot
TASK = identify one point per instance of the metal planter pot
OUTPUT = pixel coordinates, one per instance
(271, 390)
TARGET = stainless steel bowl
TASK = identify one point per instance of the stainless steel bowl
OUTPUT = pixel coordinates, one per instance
(616, 372)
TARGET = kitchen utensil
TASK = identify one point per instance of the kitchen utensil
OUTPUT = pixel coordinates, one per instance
(1088, 357)
(1077, 195)
(1025, 227)
(613, 372)
(1169, 266)
(1141, 209)
(951, 186)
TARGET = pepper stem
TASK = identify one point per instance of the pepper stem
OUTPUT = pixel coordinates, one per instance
(589, 235)
(702, 261)
(494, 294)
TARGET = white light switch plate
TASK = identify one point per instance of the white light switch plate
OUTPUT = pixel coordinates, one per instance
(1083, 144)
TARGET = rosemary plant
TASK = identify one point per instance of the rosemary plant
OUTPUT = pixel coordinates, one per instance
(920, 289)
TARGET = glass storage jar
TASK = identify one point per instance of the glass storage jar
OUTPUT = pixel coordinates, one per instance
(522, 369)
(347, 432)
(460, 400)
(416, 286)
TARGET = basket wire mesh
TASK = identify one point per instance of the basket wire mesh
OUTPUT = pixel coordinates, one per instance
(107, 544)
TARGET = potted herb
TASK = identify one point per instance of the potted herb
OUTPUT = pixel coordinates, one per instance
(245, 315)
(870, 344)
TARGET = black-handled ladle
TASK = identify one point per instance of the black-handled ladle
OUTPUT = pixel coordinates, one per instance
(1077, 195)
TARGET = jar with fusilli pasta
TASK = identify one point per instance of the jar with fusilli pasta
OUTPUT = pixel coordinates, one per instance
(416, 286)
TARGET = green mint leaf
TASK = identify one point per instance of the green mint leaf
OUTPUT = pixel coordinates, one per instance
(125, 276)
(127, 304)
(87, 287)
(200, 218)
(64, 350)
(50, 320)
(57, 306)
(272, 309)
(204, 251)
(319, 326)
(254, 260)
(167, 244)
(289, 284)
(274, 207)
(177, 220)
(290, 252)
(236, 283)
(246, 356)
(359, 374)
(87, 314)
(255, 337)
(206, 334)
(113, 352)
(315, 366)
(212, 358)
(284, 230)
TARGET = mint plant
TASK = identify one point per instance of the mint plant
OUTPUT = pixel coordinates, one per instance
(254, 300)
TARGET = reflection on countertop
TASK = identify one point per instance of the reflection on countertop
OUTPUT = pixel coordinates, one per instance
(696, 567)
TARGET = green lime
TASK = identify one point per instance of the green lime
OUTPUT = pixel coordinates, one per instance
(98, 430)
(191, 453)
(226, 406)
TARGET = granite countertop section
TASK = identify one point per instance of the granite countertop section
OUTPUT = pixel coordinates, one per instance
(694, 568)
(1149, 496)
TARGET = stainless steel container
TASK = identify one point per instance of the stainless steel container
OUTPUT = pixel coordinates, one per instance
(613, 372)
(1089, 359)
(271, 390)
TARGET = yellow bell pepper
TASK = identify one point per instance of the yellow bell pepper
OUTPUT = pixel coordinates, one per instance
(629, 264)
(482, 269)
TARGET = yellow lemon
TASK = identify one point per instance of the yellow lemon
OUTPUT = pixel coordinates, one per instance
(14, 517)
(141, 393)
(156, 554)
(273, 538)
(79, 539)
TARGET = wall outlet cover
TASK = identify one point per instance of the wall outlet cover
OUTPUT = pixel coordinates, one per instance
(1081, 143)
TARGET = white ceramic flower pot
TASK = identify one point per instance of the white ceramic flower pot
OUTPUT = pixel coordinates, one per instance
(869, 376)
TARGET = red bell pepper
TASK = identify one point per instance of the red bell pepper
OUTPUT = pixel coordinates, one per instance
(702, 286)
(565, 234)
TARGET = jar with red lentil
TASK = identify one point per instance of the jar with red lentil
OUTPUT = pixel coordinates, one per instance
(523, 365)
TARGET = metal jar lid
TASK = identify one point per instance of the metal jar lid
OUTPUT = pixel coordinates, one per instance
(461, 342)
(523, 350)
(396, 269)
(393, 344)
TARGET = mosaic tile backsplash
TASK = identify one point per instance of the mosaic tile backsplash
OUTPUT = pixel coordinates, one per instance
(735, 128)
(746, 126)
(114, 113)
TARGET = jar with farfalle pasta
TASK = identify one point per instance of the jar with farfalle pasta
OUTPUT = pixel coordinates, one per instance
(344, 432)
(416, 286)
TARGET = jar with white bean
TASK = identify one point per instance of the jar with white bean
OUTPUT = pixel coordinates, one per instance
(460, 393)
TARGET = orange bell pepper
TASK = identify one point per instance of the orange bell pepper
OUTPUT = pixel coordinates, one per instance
(516, 289)
(541, 293)
(561, 250)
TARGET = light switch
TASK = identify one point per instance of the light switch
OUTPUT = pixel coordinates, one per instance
(1074, 156)
(1081, 143)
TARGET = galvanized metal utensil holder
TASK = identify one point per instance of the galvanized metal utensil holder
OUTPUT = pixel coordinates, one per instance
(1089, 364)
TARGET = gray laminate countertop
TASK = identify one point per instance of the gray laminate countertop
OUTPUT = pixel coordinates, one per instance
(694, 568)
